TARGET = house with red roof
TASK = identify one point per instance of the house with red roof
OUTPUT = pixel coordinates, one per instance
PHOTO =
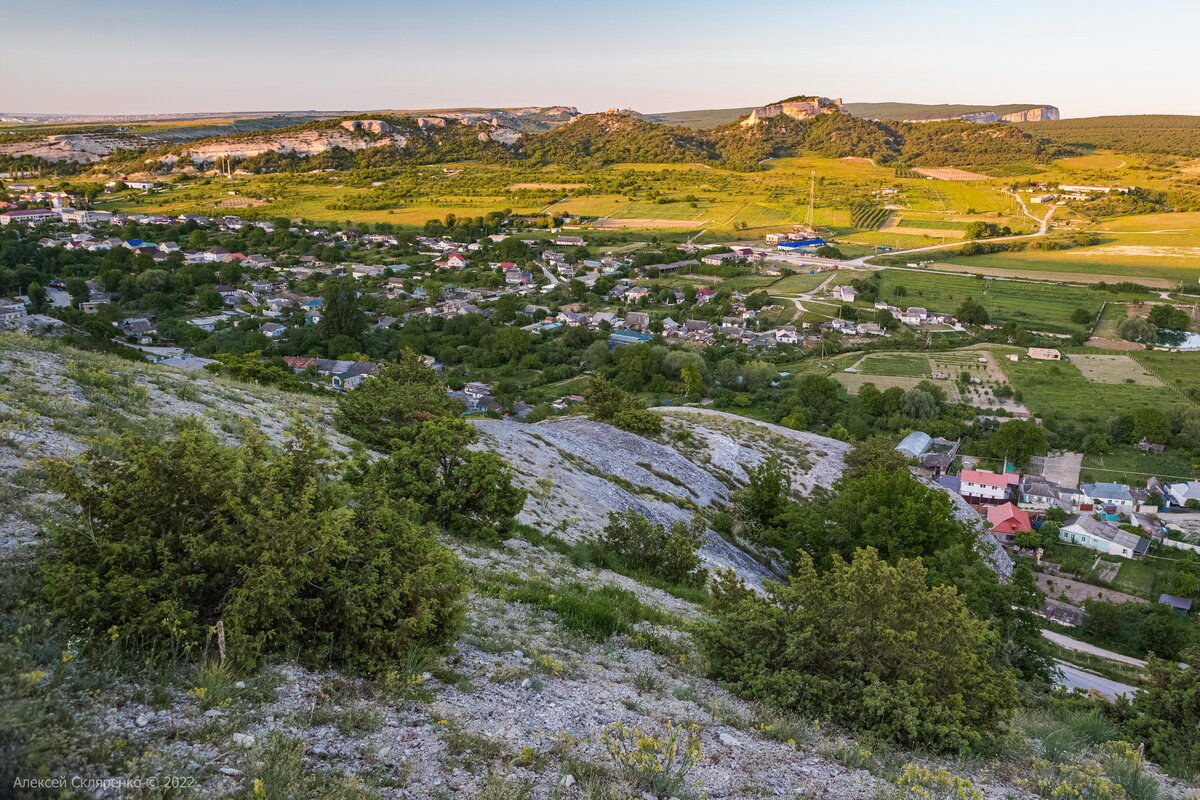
(987, 488)
(1007, 520)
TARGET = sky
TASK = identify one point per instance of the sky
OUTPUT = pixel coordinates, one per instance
(1088, 57)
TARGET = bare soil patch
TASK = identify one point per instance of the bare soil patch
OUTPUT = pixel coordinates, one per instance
(241, 202)
(613, 223)
(1055, 585)
(951, 174)
(1113, 369)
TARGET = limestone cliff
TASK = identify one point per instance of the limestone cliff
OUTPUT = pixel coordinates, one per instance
(800, 108)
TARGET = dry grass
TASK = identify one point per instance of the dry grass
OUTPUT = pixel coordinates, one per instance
(1113, 369)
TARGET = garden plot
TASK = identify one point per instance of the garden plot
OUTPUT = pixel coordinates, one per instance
(1113, 369)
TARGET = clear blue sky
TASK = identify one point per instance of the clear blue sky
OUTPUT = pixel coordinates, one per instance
(140, 56)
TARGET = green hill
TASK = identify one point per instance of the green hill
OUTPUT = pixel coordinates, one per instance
(1175, 134)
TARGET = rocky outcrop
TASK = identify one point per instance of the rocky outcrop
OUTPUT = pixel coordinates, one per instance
(1036, 114)
(368, 125)
(78, 148)
(800, 109)
(1039, 114)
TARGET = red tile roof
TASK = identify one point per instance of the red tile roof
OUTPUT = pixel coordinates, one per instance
(1007, 518)
(986, 478)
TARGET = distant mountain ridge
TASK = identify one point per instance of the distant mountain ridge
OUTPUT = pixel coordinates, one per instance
(918, 112)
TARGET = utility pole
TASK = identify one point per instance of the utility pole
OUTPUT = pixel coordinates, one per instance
(812, 197)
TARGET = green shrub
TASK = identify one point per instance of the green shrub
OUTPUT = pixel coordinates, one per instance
(866, 643)
(670, 553)
(1168, 713)
(166, 538)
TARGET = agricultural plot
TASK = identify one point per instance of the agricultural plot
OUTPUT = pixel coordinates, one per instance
(951, 174)
(932, 224)
(908, 365)
(854, 381)
(1113, 369)
(1178, 370)
(1095, 161)
(1042, 307)
(1059, 390)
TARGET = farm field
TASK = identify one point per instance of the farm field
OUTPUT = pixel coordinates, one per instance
(1094, 161)
(1113, 369)
(799, 283)
(1132, 466)
(935, 224)
(1058, 390)
(1041, 307)
(1179, 370)
(909, 365)
(855, 381)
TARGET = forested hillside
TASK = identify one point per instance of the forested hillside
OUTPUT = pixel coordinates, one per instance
(1147, 133)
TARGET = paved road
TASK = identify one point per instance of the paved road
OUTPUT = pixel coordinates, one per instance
(1075, 678)
(1091, 649)
(550, 276)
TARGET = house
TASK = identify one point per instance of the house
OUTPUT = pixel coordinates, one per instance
(1180, 605)
(717, 259)
(569, 241)
(914, 316)
(638, 320)
(1086, 530)
(1007, 520)
(1038, 494)
(1147, 446)
(845, 294)
(454, 261)
(138, 327)
(1182, 493)
(1107, 494)
(786, 334)
(987, 488)
(272, 330)
(28, 216)
(705, 295)
(84, 216)
(1044, 354)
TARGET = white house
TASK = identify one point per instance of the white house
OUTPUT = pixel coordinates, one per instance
(1108, 494)
(1090, 532)
(982, 486)
(914, 316)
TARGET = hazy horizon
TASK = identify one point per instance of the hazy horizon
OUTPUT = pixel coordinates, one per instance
(153, 58)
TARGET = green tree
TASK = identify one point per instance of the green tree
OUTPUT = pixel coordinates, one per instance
(393, 404)
(79, 291)
(970, 312)
(867, 643)
(341, 313)
(512, 343)
(666, 552)
(165, 538)
(876, 452)
(920, 404)
(39, 300)
(1018, 440)
(693, 382)
(1136, 329)
(1168, 712)
(1150, 423)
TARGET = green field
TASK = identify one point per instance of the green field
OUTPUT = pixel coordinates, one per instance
(906, 365)
(1131, 466)
(1057, 390)
(1042, 307)
(932, 224)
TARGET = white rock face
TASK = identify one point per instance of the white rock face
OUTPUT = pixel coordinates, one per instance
(796, 109)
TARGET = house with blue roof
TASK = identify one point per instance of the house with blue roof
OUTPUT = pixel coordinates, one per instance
(1108, 494)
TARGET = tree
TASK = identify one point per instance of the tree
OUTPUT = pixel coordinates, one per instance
(170, 537)
(1150, 423)
(693, 382)
(1018, 440)
(867, 643)
(1081, 316)
(341, 313)
(79, 291)
(970, 312)
(920, 404)
(392, 405)
(1170, 317)
(39, 300)
(876, 452)
(1136, 329)
(666, 552)
(1168, 712)
(512, 342)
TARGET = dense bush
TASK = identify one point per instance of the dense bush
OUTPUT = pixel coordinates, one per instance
(166, 538)
(1168, 713)
(406, 412)
(866, 643)
(667, 552)
(607, 403)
